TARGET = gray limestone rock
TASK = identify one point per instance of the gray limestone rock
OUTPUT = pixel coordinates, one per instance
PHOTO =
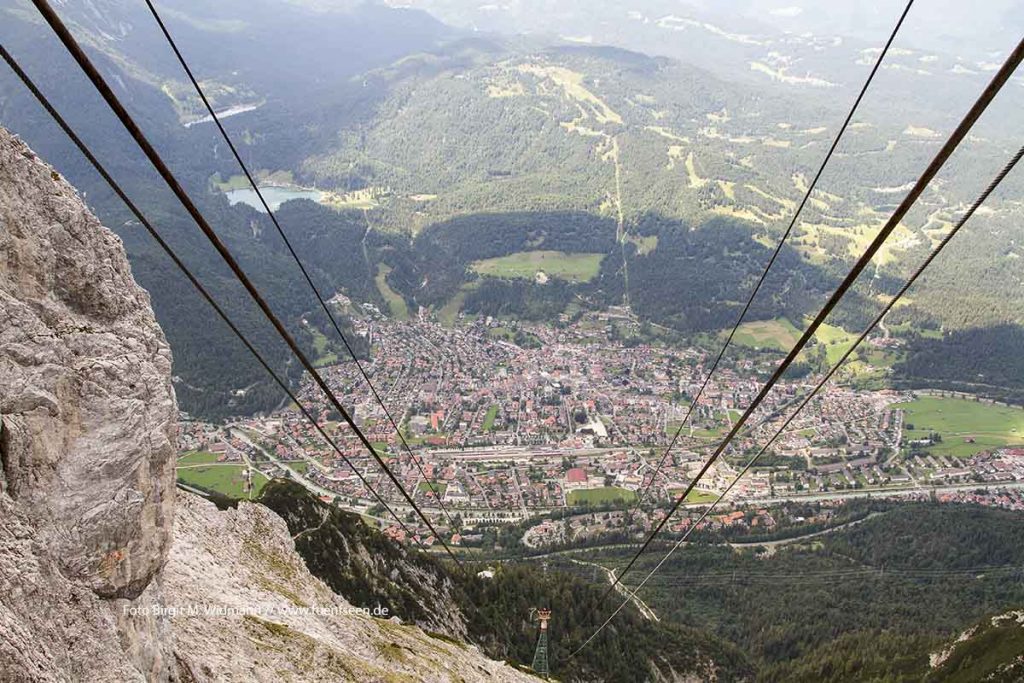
(87, 443)
(246, 608)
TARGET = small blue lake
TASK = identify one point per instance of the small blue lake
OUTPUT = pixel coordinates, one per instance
(275, 196)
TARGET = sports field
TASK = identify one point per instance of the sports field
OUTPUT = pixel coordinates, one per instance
(223, 478)
(960, 421)
(696, 497)
(599, 496)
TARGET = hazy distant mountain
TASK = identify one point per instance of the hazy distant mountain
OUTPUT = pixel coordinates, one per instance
(686, 27)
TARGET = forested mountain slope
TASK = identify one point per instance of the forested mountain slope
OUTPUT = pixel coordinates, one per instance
(992, 650)
(868, 602)
(493, 613)
(439, 150)
(628, 137)
(884, 599)
(231, 44)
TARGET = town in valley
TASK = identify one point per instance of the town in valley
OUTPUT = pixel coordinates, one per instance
(563, 425)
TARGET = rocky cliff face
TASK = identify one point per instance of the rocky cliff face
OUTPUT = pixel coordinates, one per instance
(992, 650)
(88, 438)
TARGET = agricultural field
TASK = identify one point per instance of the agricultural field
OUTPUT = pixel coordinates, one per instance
(223, 478)
(779, 334)
(966, 427)
(527, 264)
(836, 341)
(600, 496)
(396, 304)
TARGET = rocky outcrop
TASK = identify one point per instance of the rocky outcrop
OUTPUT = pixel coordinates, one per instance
(991, 650)
(246, 608)
(87, 442)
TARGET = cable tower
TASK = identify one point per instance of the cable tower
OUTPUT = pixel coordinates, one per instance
(540, 655)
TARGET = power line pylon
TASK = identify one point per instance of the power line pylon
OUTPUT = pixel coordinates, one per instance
(540, 655)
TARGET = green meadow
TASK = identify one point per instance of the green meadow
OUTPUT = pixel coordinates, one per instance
(526, 264)
(226, 479)
(956, 420)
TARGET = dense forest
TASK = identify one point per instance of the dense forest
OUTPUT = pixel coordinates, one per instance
(697, 279)
(987, 361)
(864, 603)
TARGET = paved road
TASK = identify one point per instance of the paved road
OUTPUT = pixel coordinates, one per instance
(315, 488)
(886, 492)
(771, 545)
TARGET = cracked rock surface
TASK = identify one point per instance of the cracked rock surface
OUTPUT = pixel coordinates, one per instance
(87, 443)
(246, 608)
